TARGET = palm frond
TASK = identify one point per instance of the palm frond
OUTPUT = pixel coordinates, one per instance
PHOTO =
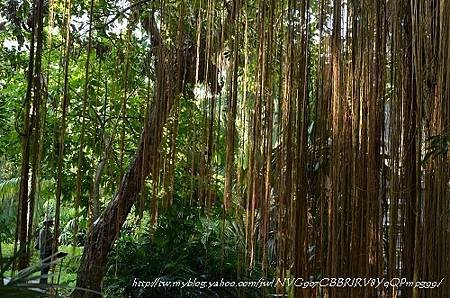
(8, 188)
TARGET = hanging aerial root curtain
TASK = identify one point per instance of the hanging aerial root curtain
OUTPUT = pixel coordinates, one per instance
(334, 114)
(104, 231)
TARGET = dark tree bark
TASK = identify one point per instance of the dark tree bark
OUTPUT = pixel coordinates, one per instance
(105, 229)
(26, 201)
(36, 124)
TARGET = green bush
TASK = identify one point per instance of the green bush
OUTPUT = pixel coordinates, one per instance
(185, 245)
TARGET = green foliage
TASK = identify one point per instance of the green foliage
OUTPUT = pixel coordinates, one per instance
(9, 188)
(437, 146)
(185, 245)
(66, 236)
(8, 208)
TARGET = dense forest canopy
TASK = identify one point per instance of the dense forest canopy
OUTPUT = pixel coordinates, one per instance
(236, 139)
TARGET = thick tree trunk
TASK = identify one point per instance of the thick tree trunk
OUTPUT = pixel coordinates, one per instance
(23, 206)
(105, 229)
(36, 125)
(174, 71)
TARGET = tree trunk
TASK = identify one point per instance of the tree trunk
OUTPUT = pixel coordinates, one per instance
(105, 229)
(174, 72)
(22, 211)
(36, 125)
